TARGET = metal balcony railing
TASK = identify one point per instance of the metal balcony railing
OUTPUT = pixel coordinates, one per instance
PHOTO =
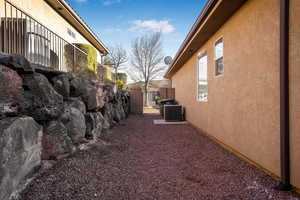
(21, 33)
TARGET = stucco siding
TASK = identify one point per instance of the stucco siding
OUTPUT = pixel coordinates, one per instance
(295, 91)
(243, 104)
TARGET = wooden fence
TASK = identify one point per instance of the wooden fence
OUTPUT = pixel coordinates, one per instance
(136, 101)
(167, 93)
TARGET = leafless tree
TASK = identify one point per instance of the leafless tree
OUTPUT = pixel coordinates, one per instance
(146, 62)
(116, 59)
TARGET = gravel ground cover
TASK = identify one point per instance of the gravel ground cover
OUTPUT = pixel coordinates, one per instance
(145, 161)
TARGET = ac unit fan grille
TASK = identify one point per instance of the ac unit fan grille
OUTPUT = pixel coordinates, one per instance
(173, 113)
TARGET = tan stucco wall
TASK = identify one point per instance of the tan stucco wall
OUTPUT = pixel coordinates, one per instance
(295, 90)
(46, 15)
(243, 105)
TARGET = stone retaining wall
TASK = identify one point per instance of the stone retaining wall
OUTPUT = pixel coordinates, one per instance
(46, 114)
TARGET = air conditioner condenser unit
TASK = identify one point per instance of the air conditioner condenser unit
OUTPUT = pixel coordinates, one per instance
(173, 113)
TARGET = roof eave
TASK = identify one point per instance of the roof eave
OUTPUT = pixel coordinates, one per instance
(214, 14)
(190, 34)
(79, 24)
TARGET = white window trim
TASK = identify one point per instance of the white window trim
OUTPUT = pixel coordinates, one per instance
(71, 33)
(201, 54)
(215, 74)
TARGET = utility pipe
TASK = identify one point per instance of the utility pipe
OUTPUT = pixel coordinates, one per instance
(285, 184)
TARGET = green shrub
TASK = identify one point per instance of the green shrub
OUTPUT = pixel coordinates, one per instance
(80, 63)
(122, 77)
(91, 55)
(120, 84)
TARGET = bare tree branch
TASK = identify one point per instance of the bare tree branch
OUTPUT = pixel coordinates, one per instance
(116, 58)
(146, 60)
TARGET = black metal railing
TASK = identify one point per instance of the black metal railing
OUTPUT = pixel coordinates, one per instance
(21, 33)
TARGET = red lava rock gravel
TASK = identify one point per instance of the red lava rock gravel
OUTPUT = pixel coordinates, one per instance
(146, 161)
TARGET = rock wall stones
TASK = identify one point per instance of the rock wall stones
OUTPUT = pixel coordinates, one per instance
(56, 141)
(42, 101)
(76, 103)
(62, 85)
(69, 109)
(75, 123)
(12, 93)
(20, 151)
(17, 62)
(95, 125)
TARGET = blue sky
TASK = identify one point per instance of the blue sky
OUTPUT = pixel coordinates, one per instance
(120, 21)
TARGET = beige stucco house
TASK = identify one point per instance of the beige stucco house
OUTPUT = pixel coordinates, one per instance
(49, 25)
(237, 74)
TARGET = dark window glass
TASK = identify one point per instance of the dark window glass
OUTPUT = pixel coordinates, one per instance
(219, 59)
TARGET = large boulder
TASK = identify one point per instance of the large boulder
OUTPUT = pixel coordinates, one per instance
(108, 113)
(126, 102)
(116, 113)
(20, 152)
(17, 62)
(56, 141)
(119, 105)
(62, 85)
(120, 113)
(77, 85)
(74, 121)
(89, 97)
(116, 107)
(11, 92)
(100, 95)
(109, 93)
(42, 102)
(91, 94)
(76, 103)
(95, 125)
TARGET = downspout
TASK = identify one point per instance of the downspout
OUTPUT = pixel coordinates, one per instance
(285, 184)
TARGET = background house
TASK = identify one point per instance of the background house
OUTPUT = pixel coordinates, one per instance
(153, 89)
(49, 33)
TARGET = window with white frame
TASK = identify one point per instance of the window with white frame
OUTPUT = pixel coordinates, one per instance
(219, 61)
(71, 33)
(202, 78)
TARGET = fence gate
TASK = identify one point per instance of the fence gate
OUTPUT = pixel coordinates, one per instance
(167, 93)
(136, 101)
